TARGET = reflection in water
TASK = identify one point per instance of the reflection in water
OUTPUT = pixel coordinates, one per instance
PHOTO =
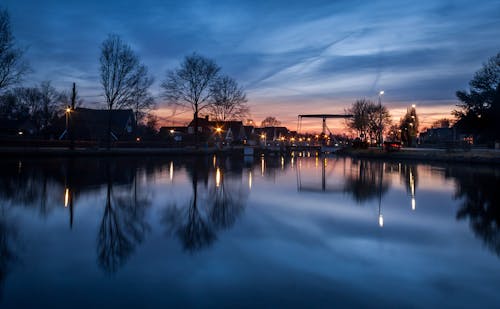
(218, 190)
(123, 225)
(8, 244)
(478, 190)
(409, 175)
(212, 206)
(365, 181)
(187, 222)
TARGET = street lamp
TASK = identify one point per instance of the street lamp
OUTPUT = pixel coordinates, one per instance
(68, 110)
(380, 94)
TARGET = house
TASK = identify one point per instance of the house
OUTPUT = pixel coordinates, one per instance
(93, 124)
(174, 133)
(437, 136)
(273, 133)
(14, 127)
(226, 131)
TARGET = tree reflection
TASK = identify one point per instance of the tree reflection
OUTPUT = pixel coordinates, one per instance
(123, 227)
(213, 206)
(367, 181)
(192, 228)
(226, 204)
(8, 239)
(478, 189)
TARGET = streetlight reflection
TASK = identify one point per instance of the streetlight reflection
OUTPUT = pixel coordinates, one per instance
(66, 197)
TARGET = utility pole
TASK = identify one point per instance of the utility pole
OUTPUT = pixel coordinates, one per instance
(70, 131)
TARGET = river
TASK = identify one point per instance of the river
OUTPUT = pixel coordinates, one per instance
(300, 231)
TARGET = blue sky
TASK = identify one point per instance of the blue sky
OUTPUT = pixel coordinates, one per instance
(293, 57)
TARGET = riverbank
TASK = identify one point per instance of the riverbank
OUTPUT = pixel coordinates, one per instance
(472, 156)
(64, 151)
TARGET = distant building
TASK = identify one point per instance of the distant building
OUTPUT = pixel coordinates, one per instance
(93, 124)
(12, 127)
(437, 136)
(173, 133)
(273, 133)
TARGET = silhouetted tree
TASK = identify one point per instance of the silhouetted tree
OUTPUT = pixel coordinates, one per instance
(479, 109)
(123, 78)
(441, 123)
(142, 99)
(378, 120)
(12, 67)
(360, 120)
(270, 121)
(409, 126)
(228, 100)
(189, 85)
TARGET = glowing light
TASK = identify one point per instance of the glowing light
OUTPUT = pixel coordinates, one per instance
(172, 131)
(214, 161)
(380, 221)
(217, 177)
(66, 197)
(250, 180)
(20, 132)
(138, 139)
(262, 166)
(292, 139)
(171, 171)
(68, 110)
(282, 163)
(413, 106)
(381, 92)
(413, 206)
(262, 136)
(218, 130)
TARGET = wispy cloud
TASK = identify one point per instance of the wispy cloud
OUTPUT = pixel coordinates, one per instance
(284, 52)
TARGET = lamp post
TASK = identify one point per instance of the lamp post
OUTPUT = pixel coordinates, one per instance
(380, 94)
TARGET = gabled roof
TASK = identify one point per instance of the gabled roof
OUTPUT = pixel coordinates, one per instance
(93, 123)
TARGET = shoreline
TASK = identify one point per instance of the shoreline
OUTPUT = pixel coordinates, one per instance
(473, 156)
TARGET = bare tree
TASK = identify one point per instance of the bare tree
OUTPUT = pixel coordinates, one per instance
(359, 121)
(142, 100)
(228, 100)
(378, 120)
(124, 80)
(119, 72)
(189, 85)
(270, 122)
(12, 67)
(49, 104)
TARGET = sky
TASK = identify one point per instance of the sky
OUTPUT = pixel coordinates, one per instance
(292, 57)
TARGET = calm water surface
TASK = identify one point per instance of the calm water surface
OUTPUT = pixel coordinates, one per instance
(233, 232)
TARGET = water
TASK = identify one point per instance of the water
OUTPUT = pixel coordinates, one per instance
(231, 232)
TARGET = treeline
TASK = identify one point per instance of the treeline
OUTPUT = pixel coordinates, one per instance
(125, 82)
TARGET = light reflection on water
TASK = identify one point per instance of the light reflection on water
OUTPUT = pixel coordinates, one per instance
(300, 230)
